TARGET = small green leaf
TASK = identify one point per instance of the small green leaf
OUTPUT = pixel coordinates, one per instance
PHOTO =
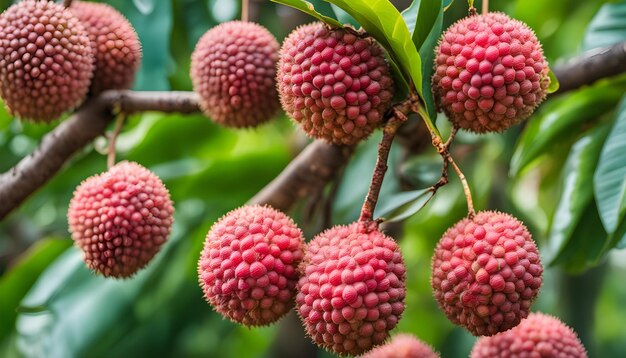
(607, 27)
(610, 175)
(403, 205)
(554, 83)
(562, 118)
(577, 190)
(308, 8)
(383, 21)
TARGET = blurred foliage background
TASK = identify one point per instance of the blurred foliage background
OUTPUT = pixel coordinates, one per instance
(549, 172)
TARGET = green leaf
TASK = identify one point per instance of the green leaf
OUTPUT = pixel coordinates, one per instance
(344, 17)
(577, 190)
(554, 83)
(402, 205)
(607, 27)
(144, 6)
(563, 118)
(429, 11)
(308, 8)
(383, 21)
(15, 283)
(610, 175)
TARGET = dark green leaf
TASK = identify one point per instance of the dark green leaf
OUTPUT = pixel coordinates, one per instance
(554, 83)
(563, 118)
(608, 26)
(429, 12)
(610, 175)
(308, 8)
(577, 190)
(344, 17)
(402, 205)
(383, 21)
(144, 6)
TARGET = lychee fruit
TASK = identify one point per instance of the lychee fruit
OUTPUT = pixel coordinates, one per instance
(490, 72)
(46, 63)
(539, 335)
(486, 273)
(233, 70)
(120, 219)
(352, 289)
(248, 268)
(337, 85)
(114, 43)
(402, 345)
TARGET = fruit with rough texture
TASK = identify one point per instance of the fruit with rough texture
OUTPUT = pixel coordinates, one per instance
(120, 219)
(539, 335)
(233, 70)
(486, 273)
(249, 266)
(46, 63)
(336, 85)
(352, 289)
(490, 72)
(114, 43)
(402, 346)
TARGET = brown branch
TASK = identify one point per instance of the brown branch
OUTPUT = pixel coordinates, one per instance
(591, 66)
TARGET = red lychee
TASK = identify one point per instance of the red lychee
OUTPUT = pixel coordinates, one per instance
(402, 346)
(352, 289)
(490, 72)
(486, 273)
(336, 85)
(114, 43)
(539, 335)
(233, 70)
(46, 63)
(120, 219)
(248, 268)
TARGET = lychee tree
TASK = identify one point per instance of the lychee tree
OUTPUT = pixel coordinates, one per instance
(335, 226)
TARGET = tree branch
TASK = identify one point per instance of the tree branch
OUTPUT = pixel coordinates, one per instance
(306, 174)
(591, 66)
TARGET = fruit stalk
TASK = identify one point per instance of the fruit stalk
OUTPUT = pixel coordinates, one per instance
(466, 188)
(245, 6)
(398, 116)
(119, 122)
(485, 7)
(67, 3)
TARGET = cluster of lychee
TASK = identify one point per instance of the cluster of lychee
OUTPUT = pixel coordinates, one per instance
(52, 57)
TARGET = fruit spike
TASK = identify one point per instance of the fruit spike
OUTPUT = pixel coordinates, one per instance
(352, 289)
(539, 335)
(46, 63)
(490, 73)
(114, 43)
(402, 346)
(336, 85)
(233, 70)
(249, 266)
(120, 219)
(486, 272)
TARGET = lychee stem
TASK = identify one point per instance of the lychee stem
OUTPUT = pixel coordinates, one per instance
(485, 7)
(67, 3)
(398, 116)
(466, 188)
(245, 6)
(119, 122)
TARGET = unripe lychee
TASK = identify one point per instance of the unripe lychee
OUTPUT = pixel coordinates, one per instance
(114, 43)
(249, 266)
(402, 346)
(120, 219)
(539, 335)
(336, 85)
(486, 273)
(233, 70)
(352, 289)
(490, 72)
(46, 63)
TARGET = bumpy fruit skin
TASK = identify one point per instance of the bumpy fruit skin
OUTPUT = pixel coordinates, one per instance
(352, 289)
(490, 72)
(46, 63)
(336, 85)
(538, 336)
(486, 273)
(233, 70)
(120, 219)
(402, 346)
(114, 43)
(248, 268)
